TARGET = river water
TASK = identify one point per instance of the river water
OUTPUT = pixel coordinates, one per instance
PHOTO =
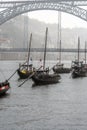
(62, 106)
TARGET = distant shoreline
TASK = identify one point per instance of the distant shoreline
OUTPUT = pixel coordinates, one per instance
(37, 55)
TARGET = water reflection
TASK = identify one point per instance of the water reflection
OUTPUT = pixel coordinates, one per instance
(5, 95)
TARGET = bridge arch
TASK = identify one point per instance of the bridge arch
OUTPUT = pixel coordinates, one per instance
(10, 13)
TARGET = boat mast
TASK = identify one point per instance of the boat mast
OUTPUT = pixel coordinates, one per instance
(25, 31)
(85, 51)
(78, 47)
(45, 48)
(29, 49)
(59, 35)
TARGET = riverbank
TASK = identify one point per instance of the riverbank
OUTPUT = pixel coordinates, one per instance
(37, 55)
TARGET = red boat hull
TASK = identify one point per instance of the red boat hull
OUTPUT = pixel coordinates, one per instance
(4, 86)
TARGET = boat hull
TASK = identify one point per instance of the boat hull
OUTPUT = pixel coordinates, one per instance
(46, 79)
(23, 75)
(78, 74)
(61, 70)
(4, 86)
(78, 69)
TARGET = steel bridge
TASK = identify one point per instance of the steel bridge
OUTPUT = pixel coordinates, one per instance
(11, 9)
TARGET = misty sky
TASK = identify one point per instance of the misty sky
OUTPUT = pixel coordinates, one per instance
(67, 20)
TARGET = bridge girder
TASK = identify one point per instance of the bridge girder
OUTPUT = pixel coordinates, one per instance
(12, 12)
(9, 4)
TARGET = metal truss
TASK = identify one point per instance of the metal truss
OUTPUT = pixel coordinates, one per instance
(9, 4)
(16, 8)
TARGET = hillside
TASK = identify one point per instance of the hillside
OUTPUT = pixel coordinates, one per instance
(13, 32)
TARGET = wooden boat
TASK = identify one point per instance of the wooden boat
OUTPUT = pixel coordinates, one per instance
(25, 70)
(78, 69)
(85, 64)
(4, 86)
(24, 73)
(59, 67)
(44, 77)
